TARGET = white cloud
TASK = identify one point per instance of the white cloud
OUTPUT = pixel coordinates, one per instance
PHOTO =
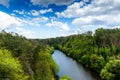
(24, 32)
(37, 21)
(8, 21)
(108, 20)
(63, 26)
(46, 11)
(19, 12)
(99, 13)
(34, 21)
(35, 13)
(91, 23)
(41, 19)
(97, 7)
(71, 11)
(18, 25)
(77, 31)
(4, 3)
(38, 12)
(23, 12)
(47, 2)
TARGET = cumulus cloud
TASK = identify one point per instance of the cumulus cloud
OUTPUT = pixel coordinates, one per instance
(34, 21)
(24, 32)
(8, 21)
(71, 11)
(33, 12)
(41, 19)
(4, 3)
(109, 20)
(46, 11)
(47, 2)
(96, 7)
(11, 23)
(38, 21)
(63, 26)
(37, 13)
(19, 12)
(99, 13)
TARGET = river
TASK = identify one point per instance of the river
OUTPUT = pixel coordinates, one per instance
(70, 67)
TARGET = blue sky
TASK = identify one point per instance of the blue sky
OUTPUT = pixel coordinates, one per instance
(54, 18)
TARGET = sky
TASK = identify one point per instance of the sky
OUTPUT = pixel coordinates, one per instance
(53, 18)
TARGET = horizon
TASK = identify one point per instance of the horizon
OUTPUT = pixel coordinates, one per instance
(38, 19)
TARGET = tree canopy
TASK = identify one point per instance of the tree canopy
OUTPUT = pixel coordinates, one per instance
(94, 50)
(10, 67)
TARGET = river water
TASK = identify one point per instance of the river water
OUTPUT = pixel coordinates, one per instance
(70, 67)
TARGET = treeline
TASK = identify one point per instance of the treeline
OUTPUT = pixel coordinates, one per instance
(99, 51)
(25, 59)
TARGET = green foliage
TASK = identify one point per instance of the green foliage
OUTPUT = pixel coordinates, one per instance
(97, 62)
(30, 57)
(85, 60)
(111, 71)
(44, 66)
(10, 68)
(92, 50)
(65, 78)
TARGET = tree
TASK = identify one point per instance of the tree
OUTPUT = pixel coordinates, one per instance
(44, 66)
(10, 68)
(111, 71)
(65, 78)
(97, 62)
(85, 60)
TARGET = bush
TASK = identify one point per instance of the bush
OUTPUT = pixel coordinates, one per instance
(10, 68)
(65, 78)
(111, 71)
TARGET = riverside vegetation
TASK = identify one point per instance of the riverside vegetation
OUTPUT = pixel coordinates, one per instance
(99, 51)
(30, 59)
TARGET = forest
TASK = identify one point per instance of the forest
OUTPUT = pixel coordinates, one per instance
(30, 59)
(99, 51)
(25, 59)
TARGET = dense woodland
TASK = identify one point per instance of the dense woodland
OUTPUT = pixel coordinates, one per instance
(25, 59)
(30, 59)
(99, 51)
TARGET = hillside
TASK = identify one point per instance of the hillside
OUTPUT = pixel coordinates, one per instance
(99, 51)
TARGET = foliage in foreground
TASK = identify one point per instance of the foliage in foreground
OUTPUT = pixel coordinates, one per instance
(10, 67)
(25, 59)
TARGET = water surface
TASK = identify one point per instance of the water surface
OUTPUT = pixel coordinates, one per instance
(70, 67)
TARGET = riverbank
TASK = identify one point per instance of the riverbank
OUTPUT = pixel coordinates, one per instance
(70, 67)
